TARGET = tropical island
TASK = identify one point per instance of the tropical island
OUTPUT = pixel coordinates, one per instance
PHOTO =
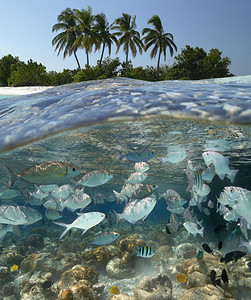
(81, 29)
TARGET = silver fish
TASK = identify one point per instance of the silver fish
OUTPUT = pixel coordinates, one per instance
(8, 194)
(95, 178)
(62, 192)
(105, 238)
(244, 227)
(173, 199)
(139, 156)
(29, 198)
(239, 199)
(221, 164)
(137, 210)
(53, 203)
(176, 210)
(141, 167)
(176, 154)
(144, 191)
(19, 215)
(174, 223)
(208, 173)
(84, 221)
(48, 188)
(136, 177)
(193, 228)
(245, 244)
(210, 204)
(52, 214)
(38, 194)
(78, 200)
(9, 228)
(188, 215)
(126, 192)
(49, 172)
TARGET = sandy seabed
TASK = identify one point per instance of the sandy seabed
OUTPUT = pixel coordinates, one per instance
(22, 90)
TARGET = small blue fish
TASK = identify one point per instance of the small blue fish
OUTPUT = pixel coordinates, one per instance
(145, 251)
(233, 234)
(199, 255)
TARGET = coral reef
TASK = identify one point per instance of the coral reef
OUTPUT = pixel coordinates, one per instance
(160, 237)
(5, 275)
(121, 266)
(98, 256)
(73, 273)
(240, 272)
(163, 253)
(8, 289)
(67, 294)
(186, 251)
(155, 288)
(122, 297)
(79, 280)
(207, 292)
(118, 267)
(198, 278)
(130, 243)
(35, 241)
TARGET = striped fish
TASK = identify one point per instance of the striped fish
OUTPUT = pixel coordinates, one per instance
(145, 251)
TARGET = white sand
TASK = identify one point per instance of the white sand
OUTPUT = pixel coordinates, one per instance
(22, 90)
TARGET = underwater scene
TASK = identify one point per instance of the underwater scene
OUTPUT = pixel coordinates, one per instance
(127, 189)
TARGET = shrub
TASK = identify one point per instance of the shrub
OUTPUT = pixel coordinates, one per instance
(58, 78)
(109, 68)
(148, 74)
(29, 74)
(195, 63)
(5, 68)
(88, 73)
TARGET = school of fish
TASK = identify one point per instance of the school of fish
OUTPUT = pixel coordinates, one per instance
(60, 187)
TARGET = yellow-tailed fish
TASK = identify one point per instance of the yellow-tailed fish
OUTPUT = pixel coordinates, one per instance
(181, 277)
(49, 172)
(114, 290)
(14, 268)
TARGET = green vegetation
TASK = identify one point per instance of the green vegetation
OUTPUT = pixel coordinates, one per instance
(107, 38)
(129, 37)
(159, 39)
(195, 63)
(66, 39)
(6, 63)
(80, 29)
(29, 74)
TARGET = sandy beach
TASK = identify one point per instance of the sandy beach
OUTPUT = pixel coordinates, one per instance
(23, 90)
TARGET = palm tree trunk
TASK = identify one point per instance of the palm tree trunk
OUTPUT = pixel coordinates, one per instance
(87, 58)
(75, 55)
(102, 54)
(127, 62)
(158, 61)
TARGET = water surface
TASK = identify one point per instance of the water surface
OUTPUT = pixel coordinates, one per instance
(91, 124)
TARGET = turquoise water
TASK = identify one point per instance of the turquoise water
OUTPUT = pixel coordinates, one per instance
(5, 96)
(104, 126)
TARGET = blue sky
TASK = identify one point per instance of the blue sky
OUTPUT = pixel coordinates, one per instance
(25, 28)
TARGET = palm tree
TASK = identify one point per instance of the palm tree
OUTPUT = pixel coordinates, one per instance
(65, 40)
(158, 39)
(103, 28)
(129, 37)
(87, 36)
